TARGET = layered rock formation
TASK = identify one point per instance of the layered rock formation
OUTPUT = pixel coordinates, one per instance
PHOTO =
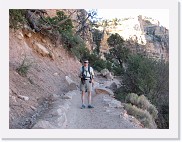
(142, 34)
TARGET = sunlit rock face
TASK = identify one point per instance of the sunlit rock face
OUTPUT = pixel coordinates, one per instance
(143, 34)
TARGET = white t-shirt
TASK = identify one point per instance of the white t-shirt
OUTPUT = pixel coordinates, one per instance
(86, 72)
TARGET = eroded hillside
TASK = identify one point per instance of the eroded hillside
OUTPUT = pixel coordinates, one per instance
(45, 77)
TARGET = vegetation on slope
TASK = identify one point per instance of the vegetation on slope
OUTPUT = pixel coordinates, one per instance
(141, 75)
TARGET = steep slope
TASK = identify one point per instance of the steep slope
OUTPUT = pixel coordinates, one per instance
(39, 99)
(45, 77)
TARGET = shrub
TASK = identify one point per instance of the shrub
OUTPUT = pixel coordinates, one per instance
(118, 53)
(66, 26)
(17, 18)
(97, 37)
(153, 111)
(143, 102)
(61, 26)
(120, 94)
(142, 115)
(132, 98)
(149, 77)
(71, 41)
(80, 51)
(24, 67)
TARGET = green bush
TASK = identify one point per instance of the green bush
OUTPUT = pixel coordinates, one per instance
(80, 51)
(149, 77)
(97, 37)
(61, 26)
(120, 94)
(67, 26)
(71, 41)
(153, 111)
(132, 98)
(118, 53)
(143, 103)
(142, 115)
(24, 67)
(17, 18)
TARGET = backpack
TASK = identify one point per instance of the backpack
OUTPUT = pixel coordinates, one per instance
(88, 71)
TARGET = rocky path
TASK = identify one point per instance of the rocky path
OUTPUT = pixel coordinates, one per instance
(100, 117)
(66, 113)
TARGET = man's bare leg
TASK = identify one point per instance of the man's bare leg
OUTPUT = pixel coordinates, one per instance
(89, 98)
(83, 97)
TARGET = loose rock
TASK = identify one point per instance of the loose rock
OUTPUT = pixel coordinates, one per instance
(25, 98)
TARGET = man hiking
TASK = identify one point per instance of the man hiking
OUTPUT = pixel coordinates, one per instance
(86, 75)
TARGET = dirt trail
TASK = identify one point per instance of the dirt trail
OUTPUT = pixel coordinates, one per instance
(69, 115)
(100, 117)
(44, 105)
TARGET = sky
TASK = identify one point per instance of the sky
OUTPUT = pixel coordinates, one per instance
(162, 15)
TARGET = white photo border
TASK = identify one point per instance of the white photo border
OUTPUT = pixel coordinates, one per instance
(171, 133)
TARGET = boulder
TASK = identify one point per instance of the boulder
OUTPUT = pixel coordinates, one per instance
(51, 55)
(13, 98)
(61, 120)
(96, 84)
(19, 37)
(55, 74)
(25, 98)
(102, 90)
(28, 35)
(104, 72)
(71, 84)
(65, 107)
(57, 112)
(40, 49)
(33, 108)
(112, 86)
(107, 74)
(115, 103)
(66, 97)
(69, 95)
(55, 96)
(43, 40)
(43, 124)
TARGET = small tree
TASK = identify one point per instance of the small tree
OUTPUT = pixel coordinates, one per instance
(118, 53)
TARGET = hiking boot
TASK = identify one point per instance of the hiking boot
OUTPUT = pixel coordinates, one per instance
(83, 106)
(90, 106)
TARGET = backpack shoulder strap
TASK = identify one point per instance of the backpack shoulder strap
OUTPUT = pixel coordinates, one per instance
(82, 69)
(90, 72)
(89, 69)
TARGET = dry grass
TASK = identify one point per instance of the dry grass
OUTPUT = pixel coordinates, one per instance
(143, 103)
(142, 115)
(132, 98)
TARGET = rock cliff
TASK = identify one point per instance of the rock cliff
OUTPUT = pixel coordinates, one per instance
(143, 34)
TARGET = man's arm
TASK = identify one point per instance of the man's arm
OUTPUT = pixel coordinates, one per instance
(80, 73)
(92, 74)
